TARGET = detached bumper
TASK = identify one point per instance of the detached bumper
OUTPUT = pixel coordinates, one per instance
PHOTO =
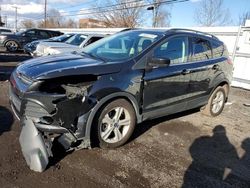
(34, 149)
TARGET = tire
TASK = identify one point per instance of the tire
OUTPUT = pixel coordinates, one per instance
(116, 123)
(215, 103)
(11, 46)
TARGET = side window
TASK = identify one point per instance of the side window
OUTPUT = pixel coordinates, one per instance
(175, 49)
(44, 34)
(218, 49)
(201, 50)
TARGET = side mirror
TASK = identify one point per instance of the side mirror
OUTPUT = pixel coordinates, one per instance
(159, 62)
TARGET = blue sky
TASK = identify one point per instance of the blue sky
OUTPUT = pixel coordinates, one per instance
(182, 13)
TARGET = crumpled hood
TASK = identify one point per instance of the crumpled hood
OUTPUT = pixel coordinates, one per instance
(65, 65)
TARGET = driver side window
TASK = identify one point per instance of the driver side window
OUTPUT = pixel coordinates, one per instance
(175, 49)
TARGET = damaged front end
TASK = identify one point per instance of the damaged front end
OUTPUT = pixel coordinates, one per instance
(54, 110)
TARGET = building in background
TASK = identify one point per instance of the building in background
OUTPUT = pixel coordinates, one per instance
(90, 23)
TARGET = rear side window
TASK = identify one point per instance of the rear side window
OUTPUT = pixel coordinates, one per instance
(175, 49)
(217, 48)
(201, 50)
(44, 34)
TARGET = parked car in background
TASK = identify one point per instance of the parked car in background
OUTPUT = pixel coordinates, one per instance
(99, 95)
(74, 43)
(16, 41)
(31, 47)
(5, 31)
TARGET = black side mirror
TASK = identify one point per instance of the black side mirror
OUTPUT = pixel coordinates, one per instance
(159, 62)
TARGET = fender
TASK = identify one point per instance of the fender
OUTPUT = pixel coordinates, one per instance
(217, 81)
(93, 112)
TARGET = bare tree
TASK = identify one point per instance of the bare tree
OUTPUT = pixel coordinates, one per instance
(242, 18)
(126, 13)
(162, 13)
(28, 24)
(56, 20)
(212, 13)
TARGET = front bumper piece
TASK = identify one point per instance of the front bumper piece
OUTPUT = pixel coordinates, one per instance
(34, 149)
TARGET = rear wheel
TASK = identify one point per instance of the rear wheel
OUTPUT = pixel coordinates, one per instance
(11, 46)
(116, 123)
(215, 103)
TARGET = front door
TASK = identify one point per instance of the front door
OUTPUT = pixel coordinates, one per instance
(165, 88)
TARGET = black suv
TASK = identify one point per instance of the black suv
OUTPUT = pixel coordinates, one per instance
(115, 83)
(16, 41)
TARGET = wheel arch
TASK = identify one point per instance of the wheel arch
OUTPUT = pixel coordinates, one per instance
(223, 83)
(119, 95)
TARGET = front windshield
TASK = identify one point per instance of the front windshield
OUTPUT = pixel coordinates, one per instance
(20, 32)
(123, 45)
(76, 39)
(61, 37)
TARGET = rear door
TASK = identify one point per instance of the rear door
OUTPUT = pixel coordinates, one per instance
(165, 88)
(201, 71)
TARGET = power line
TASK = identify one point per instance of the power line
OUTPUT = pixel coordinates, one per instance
(109, 6)
(136, 6)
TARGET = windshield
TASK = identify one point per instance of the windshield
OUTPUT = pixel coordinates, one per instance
(123, 45)
(20, 32)
(61, 37)
(76, 39)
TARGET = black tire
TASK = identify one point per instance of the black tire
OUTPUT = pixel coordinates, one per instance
(125, 131)
(209, 109)
(11, 46)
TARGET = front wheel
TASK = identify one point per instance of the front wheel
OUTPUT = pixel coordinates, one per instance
(11, 46)
(116, 123)
(215, 103)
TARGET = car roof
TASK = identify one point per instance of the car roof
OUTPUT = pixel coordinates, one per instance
(170, 31)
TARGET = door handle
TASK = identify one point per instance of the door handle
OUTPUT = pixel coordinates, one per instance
(185, 71)
(215, 67)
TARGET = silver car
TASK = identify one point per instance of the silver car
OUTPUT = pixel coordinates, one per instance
(74, 43)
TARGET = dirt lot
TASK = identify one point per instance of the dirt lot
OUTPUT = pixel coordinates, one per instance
(182, 150)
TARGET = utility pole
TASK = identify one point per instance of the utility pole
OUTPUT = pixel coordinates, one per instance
(45, 13)
(153, 7)
(15, 7)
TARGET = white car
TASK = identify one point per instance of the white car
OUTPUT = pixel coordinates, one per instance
(74, 43)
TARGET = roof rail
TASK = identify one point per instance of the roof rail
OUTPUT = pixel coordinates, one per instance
(193, 31)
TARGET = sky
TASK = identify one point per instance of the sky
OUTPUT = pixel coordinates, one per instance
(182, 14)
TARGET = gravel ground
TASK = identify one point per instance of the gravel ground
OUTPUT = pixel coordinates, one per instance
(182, 150)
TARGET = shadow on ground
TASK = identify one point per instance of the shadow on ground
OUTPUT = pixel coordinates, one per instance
(6, 120)
(215, 162)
